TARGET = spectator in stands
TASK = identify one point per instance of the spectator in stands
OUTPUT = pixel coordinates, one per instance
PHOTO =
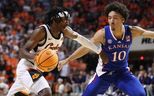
(3, 86)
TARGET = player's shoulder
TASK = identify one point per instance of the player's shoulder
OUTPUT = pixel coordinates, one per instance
(42, 27)
(69, 32)
(67, 29)
(39, 30)
(99, 35)
(101, 32)
(134, 29)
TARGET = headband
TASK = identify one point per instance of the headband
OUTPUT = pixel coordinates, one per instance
(64, 14)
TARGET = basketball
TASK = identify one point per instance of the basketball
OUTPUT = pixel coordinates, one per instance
(46, 60)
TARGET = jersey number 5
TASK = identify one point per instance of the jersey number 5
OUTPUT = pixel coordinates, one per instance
(119, 56)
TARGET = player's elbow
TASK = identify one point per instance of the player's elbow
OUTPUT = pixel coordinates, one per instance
(21, 52)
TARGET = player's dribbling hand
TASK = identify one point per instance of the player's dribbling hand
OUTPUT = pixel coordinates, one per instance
(62, 63)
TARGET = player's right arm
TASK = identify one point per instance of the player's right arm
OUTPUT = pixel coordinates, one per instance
(37, 35)
(98, 38)
(68, 32)
(138, 31)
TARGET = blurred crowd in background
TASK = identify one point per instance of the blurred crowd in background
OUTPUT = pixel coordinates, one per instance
(18, 18)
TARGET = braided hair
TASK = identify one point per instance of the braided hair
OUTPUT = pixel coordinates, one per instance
(55, 14)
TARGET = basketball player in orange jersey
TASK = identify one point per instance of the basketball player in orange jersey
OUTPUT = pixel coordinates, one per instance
(112, 67)
(49, 35)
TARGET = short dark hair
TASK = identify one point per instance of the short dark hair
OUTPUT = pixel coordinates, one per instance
(117, 7)
(55, 14)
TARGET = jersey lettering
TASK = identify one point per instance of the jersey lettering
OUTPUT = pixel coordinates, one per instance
(119, 56)
(50, 45)
(50, 41)
(35, 76)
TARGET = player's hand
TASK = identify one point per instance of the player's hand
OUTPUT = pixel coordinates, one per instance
(62, 63)
(104, 57)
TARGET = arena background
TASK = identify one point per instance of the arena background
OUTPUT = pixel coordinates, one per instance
(18, 18)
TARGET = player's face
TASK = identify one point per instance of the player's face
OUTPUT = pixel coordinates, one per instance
(115, 20)
(64, 22)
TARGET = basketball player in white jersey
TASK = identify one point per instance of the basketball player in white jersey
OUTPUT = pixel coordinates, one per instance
(49, 35)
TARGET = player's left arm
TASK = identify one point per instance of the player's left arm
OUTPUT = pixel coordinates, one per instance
(138, 31)
(68, 32)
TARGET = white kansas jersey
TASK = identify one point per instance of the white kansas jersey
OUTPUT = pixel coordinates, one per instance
(50, 41)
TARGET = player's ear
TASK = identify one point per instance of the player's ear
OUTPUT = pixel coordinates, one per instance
(123, 20)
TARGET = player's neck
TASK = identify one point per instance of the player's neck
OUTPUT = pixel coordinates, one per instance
(118, 32)
(54, 29)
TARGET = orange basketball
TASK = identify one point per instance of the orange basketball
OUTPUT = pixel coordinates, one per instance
(46, 60)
